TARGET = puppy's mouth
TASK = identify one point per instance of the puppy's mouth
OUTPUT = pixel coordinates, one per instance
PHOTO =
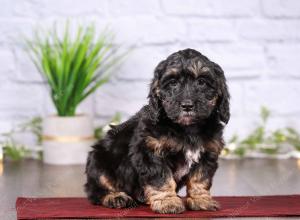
(186, 117)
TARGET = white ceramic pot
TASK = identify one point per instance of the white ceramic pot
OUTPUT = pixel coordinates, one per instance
(67, 140)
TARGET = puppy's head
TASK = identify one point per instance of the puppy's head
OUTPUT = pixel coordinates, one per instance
(189, 88)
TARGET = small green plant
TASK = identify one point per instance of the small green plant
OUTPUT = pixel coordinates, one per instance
(268, 142)
(74, 67)
(239, 150)
(293, 138)
(258, 134)
(16, 151)
(34, 126)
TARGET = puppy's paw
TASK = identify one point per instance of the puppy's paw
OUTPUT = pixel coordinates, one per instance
(169, 205)
(118, 200)
(203, 202)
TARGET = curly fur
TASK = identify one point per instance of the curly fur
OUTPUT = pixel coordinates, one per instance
(173, 141)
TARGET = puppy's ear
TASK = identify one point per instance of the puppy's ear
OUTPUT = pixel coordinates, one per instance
(154, 98)
(223, 94)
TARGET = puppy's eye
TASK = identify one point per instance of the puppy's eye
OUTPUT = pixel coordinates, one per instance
(173, 82)
(201, 82)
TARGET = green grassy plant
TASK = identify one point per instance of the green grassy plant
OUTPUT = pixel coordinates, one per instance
(74, 67)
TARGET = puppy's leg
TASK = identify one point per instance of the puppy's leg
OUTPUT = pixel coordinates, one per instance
(155, 176)
(94, 191)
(114, 198)
(163, 199)
(158, 184)
(198, 185)
(104, 192)
(101, 188)
(92, 187)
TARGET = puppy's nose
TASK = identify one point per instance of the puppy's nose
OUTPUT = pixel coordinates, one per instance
(187, 105)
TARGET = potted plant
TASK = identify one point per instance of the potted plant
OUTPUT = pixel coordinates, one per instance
(73, 66)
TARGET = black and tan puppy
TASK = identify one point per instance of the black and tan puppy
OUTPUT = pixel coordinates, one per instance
(173, 141)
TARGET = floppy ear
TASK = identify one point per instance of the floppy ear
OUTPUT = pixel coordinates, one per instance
(154, 98)
(223, 94)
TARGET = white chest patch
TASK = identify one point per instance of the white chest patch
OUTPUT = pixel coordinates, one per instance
(191, 157)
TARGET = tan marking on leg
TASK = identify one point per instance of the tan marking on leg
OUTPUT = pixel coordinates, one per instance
(164, 199)
(198, 195)
(195, 186)
(158, 145)
(107, 183)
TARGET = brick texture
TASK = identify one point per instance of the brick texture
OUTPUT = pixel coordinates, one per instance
(257, 42)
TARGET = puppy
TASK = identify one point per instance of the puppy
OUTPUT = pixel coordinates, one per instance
(173, 141)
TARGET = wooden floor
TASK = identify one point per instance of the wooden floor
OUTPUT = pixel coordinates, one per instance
(234, 177)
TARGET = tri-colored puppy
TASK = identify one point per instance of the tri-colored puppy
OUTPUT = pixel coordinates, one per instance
(173, 141)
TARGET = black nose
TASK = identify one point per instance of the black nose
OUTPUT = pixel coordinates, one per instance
(187, 105)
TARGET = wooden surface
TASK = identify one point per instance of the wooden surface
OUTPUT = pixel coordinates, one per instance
(234, 177)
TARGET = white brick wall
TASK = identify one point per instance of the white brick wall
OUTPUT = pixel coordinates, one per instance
(257, 42)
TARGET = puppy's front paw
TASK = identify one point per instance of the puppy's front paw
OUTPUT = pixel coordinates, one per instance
(203, 202)
(118, 200)
(169, 205)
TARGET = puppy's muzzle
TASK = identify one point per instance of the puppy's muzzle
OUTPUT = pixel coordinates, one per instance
(187, 105)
